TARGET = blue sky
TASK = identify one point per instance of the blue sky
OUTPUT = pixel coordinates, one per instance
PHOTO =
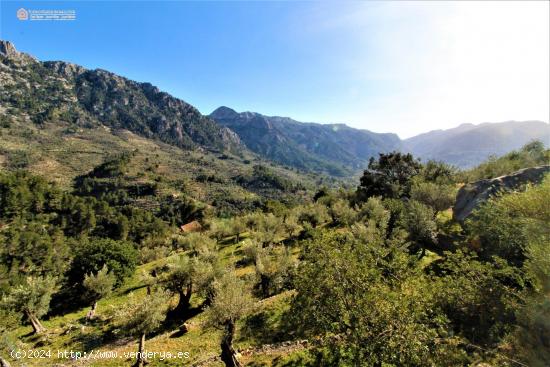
(404, 67)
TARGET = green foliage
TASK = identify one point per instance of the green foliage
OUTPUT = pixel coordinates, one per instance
(5, 121)
(312, 215)
(199, 244)
(19, 159)
(267, 229)
(30, 298)
(100, 284)
(264, 178)
(232, 300)
(372, 298)
(531, 337)
(439, 197)
(418, 221)
(530, 155)
(495, 231)
(113, 167)
(22, 195)
(531, 208)
(32, 248)
(179, 211)
(478, 297)
(438, 172)
(274, 269)
(389, 176)
(179, 279)
(92, 255)
(341, 213)
(143, 315)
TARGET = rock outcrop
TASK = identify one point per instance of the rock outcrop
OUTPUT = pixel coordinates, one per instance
(472, 195)
(8, 51)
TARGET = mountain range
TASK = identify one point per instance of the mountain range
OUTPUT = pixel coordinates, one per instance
(341, 149)
(468, 145)
(332, 147)
(42, 92)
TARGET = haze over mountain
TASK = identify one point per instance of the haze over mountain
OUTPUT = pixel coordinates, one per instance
(328, 146)
(468, 145)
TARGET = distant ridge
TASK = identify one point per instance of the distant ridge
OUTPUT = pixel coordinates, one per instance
(468, 145)
(335, 148)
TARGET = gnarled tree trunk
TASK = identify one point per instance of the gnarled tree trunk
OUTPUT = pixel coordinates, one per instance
(229, 355)
(141, 360)
(35, 323)
(91, 314)
(264, 285)
(185, 300)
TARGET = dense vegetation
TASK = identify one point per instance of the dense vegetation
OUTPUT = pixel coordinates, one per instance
(377, 276)
(112, 241)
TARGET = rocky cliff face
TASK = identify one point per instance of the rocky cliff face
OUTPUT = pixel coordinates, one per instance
(472, 195)
(57, 89)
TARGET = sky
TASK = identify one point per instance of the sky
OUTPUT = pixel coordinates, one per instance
(389, 66)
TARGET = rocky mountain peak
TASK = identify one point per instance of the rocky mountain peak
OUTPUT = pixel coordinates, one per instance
(224, 113)
(8, 50)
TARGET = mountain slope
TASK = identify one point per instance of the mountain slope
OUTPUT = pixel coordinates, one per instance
(336, 148)
(54, 90)
(468, 145)
(59, 121)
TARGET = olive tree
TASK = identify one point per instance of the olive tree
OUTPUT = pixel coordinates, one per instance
(312, 215)
(530, 232)
(98, 286)
(341, 213)
(179, 280)
(273, 268)
(187, 276)
(232, 300)
(142, 316)
(290, 225)
(32, 299)
(268, 230)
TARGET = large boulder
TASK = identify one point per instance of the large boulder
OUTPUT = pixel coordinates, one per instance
(472, 195)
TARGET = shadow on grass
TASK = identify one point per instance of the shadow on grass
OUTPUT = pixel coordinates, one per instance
(267, 327)
(135, 288)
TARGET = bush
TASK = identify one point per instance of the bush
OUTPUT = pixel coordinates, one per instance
(418, 221)
(147, 254)
(119, 256)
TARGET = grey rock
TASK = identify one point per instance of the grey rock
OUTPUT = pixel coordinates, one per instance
(66, 69)
(472, 195)
(7, 49)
